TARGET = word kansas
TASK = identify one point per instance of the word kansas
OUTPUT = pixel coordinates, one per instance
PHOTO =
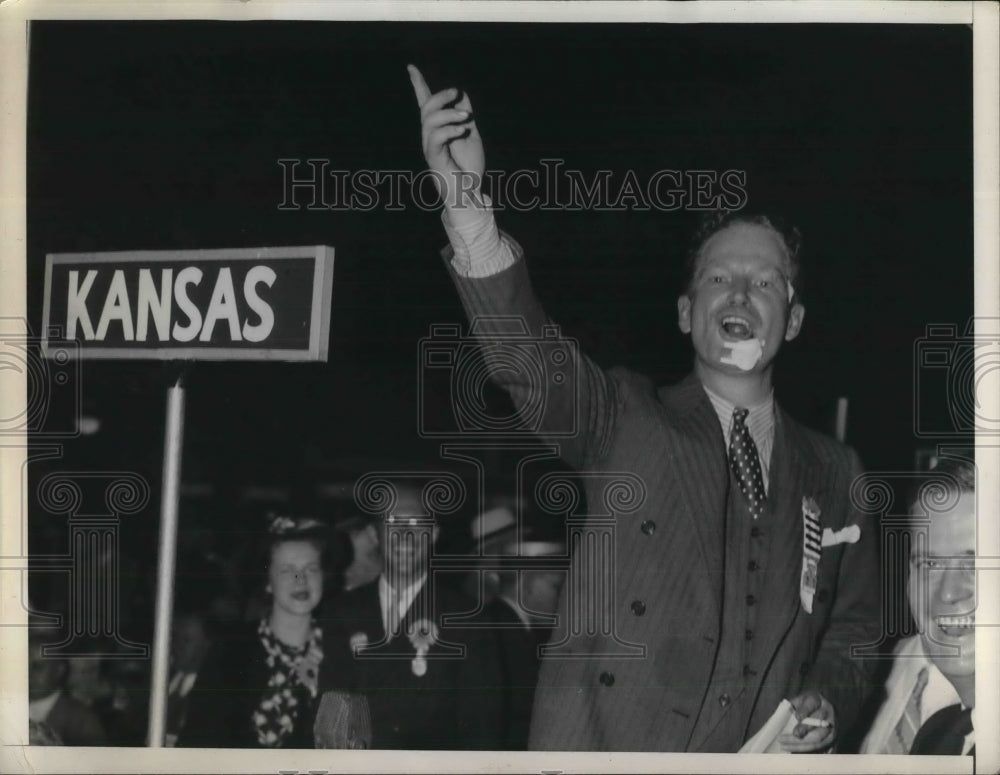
(245, 304)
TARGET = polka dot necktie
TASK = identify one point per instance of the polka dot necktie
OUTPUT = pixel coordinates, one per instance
(744, 461)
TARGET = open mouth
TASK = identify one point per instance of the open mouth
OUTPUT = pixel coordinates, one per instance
(302, 595)
(956, 626)
(736, 327)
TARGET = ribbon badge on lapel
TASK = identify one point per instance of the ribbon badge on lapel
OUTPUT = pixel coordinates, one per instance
(423, 634)
(811, 548)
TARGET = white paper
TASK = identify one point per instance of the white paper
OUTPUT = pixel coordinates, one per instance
(782, 722)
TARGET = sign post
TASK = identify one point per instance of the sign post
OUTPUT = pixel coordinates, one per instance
(173, 443)
(247, 304)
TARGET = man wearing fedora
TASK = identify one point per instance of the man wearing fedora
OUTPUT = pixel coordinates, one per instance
(424, 683)
(520, 603)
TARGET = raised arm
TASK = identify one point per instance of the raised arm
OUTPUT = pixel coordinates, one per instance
(453, 149)
(561, 395)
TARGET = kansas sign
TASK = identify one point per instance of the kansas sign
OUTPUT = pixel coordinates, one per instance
(240, 304)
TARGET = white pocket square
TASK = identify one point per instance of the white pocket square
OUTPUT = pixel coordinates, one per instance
(849, 535)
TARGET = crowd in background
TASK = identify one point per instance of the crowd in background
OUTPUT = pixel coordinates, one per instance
(264, 644)
(271, 587)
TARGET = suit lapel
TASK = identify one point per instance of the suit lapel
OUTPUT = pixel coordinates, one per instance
(793, 475)
(419, 609)
(370, 607)
(702, 474)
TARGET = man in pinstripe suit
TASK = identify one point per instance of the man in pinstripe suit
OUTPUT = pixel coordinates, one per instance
(745, 575)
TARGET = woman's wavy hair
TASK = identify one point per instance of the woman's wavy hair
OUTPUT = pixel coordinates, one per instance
(283, 528)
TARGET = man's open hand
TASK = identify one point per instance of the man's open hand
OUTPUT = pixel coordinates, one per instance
(452, 145)
(805, 737)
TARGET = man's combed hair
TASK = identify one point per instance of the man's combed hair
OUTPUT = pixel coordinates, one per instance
(714, 222)
(952, 475)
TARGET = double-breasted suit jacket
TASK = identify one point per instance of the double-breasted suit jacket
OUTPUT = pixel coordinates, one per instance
(668, 677)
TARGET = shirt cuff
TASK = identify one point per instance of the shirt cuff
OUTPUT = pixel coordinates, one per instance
(478, 249)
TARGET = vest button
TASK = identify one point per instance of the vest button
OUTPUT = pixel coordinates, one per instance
(822, 595)
(751, 600)
(747, 671)
(755, 532)
(752, 566)
(638, 607)
(608, 679)
(724, 700)
(749, 634)
(648, 527)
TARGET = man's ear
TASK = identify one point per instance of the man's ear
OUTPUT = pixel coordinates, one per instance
(795, 316)
(684, 313)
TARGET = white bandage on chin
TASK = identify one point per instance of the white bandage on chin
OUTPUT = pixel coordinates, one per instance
(791, 292)
(744, 355)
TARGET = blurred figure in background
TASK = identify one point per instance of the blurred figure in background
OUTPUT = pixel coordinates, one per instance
(86, 677)
(126, 711)
(190, 640)
(56, 714)
(258, 687)
(365, 560)
(116, 689)
(521, 604)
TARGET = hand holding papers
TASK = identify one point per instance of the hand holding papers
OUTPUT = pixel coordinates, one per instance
(801, 725)
(782, 722)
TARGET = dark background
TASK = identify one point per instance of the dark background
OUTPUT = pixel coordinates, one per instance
(167, 134)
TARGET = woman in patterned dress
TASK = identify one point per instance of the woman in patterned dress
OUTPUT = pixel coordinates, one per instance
(258, 688)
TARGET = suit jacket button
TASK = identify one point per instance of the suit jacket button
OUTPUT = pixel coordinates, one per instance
(648, 527)
(822, 595)
(638, 607)
(751, 600)
(608, 679)
(724, 700)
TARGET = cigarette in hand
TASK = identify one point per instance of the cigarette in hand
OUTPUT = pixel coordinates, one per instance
(809, 721)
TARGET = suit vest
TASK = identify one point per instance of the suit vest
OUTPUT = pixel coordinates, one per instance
(739, 667)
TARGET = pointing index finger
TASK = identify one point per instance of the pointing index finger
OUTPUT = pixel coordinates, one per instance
(420, 88)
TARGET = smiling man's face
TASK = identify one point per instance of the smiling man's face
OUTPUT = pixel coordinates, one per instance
(740, 300)
(945, 568)
(406, 538)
